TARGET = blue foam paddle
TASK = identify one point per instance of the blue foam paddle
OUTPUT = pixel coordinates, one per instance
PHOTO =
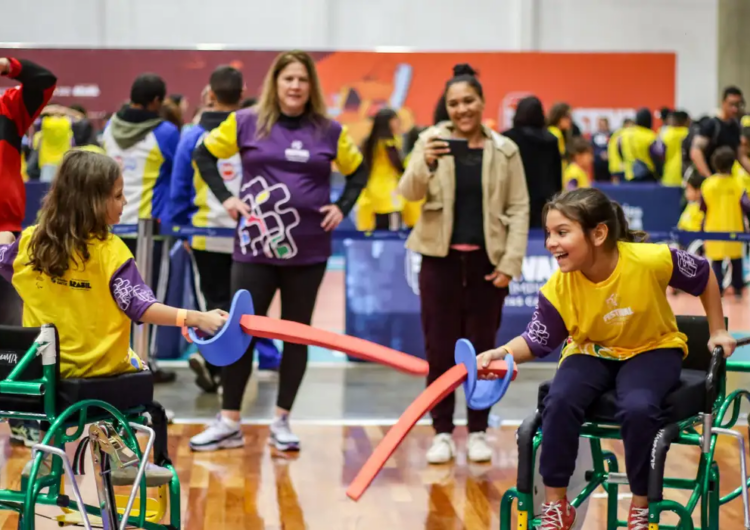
(481, 394)
(231, 342)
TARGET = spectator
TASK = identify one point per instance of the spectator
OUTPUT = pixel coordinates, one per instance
(692, 216)
(642, 153)
(613, 151)
(144, 144)
(380, 206)
(560, 123)
(577, 173)
(472, 236)
(672, 136)
(540, 155)
(600, 141)
(722, 130)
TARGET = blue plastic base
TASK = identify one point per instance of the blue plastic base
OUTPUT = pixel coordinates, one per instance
(481, 394)
(231, 342)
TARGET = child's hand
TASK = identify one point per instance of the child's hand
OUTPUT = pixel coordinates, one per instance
(722, 339)
(212, 321)
(484, 359)
(7, 238)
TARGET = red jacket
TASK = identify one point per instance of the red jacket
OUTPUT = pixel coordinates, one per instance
(19, 107)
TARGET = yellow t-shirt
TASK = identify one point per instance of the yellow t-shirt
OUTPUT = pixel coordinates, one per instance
(576, 173)
(741, 175)
(626, 314)
(94, 330)
(691, 218)
(722, 201)
(560, 143)
(672, 137)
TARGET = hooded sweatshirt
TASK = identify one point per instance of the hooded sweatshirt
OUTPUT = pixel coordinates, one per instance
(144, 145)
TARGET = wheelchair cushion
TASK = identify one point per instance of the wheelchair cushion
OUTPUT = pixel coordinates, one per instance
(125, 391)
(685, 401)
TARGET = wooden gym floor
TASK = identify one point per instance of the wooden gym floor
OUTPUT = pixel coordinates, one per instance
(342, 414)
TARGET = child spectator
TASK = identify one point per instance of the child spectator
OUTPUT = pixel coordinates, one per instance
(576, 175)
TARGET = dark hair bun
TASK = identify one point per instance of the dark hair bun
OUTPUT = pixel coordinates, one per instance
(463, 69)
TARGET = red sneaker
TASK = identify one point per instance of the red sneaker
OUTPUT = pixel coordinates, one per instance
(637, 518)
(558, 515)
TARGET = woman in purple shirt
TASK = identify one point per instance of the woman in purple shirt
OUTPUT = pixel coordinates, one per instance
(283, 239)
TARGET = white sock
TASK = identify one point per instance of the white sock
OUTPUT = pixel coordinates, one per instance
(235, 425)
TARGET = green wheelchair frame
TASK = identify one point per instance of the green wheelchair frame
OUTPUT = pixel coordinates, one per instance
(705, 487)
(78, 415)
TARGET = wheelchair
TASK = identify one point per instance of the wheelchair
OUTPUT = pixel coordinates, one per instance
(115, 408)
(699, 401)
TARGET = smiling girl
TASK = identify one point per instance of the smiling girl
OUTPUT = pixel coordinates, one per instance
(608, 303)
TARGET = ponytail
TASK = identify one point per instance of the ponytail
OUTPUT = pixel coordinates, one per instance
(624, 233)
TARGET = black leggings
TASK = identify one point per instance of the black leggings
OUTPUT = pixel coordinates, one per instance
(299, 289)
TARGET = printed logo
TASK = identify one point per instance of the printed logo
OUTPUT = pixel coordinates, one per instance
(269, 227)
(296, 153)
(537, 331)
(84, 285)
(125, 291)
(8, 357)
(229, 169)
(3, 250)
(612, 300)
(618, 315)
(685, 264)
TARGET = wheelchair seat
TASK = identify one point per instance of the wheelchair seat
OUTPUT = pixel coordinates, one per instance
(684, 402)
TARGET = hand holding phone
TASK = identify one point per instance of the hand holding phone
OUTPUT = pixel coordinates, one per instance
(435, 148)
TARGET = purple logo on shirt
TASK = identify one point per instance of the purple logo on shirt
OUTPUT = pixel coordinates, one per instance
(269, 227)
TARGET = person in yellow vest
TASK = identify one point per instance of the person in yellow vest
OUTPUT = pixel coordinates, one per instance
(726, 205)
(671, 137)
(577, 174)
(641, 151)
(607, 306)
(71, 271)
(692, 216)
(613, 152)
(559, 123)
(379, 206)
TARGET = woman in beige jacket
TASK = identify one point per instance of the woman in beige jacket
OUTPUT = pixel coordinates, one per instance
(472, 236)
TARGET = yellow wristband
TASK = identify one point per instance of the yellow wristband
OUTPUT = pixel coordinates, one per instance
(181, 317)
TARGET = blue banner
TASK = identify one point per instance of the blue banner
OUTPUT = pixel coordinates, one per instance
(649, 207)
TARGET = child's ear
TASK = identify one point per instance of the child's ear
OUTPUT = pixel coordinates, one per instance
(599, 234)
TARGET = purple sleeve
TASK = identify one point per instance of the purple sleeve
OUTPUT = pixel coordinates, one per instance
(656, 150)
(745, 203)
(690, 273)
(546, 330)
(8, 255)
(130, 292)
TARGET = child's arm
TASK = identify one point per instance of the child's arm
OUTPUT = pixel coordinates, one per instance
(694, 275)
(137, 301)
(545, 332)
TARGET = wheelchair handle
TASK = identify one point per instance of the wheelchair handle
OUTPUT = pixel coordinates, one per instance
(713, 377)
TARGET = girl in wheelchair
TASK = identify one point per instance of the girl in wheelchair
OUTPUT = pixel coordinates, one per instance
(71, 271)
(608, 303)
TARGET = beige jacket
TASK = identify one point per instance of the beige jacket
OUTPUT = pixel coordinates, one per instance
(505, 200)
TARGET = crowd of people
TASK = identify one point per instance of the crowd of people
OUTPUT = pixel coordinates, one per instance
(265, 167)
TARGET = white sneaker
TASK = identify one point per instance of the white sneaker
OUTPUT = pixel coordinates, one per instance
(282, 436)
(442, 449)
(220, 434)
(478, 448)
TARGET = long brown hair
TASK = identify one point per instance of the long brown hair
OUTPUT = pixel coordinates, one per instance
(590, 207)
(73, 212)
(268, 108)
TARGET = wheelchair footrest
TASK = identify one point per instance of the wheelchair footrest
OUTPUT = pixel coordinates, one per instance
(618, 478)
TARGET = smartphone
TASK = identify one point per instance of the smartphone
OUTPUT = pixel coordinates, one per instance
(457, 146)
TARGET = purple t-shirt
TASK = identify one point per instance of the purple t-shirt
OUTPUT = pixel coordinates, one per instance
(126, 285)
(286, 180)
(547, 330)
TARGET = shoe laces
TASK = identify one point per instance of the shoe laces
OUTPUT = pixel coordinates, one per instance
(552, 516)
(638, 519)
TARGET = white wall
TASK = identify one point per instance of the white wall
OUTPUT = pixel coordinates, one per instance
(687, 27)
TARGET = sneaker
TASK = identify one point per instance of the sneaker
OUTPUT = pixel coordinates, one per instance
(203, 376)
(637, 518)
(558, 515)
(442, 449)
(24, 432)
(478, 448)
(282, 436)
(155, 475)
(220, 434)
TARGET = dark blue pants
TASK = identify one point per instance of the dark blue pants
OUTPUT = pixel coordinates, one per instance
(738, 277)
(642, 383)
